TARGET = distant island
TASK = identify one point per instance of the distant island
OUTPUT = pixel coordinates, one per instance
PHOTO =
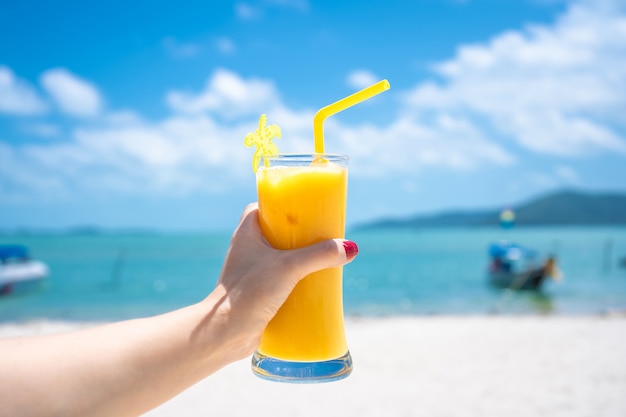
(86, 230)
(559, 208)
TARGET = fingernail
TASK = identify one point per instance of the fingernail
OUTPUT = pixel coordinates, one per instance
(351, 249)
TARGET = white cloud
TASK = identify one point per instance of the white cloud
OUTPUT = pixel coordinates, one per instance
(227, 94)
(73, 95)
(178, 155)
(409, 146)
(554, 89)
(17, 96)
(25, 185)
(361, 78)
(197, 150)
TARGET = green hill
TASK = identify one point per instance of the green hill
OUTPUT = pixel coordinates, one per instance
(560, 208)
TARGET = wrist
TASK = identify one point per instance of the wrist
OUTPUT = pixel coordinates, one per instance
(223, 339)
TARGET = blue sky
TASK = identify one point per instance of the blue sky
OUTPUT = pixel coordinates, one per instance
(133, 114)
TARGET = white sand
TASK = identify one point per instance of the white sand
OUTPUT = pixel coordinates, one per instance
(434, 366)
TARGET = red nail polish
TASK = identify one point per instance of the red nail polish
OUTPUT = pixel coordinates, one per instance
(351, 248)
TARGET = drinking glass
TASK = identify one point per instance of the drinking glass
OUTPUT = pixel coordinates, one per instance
(302, 200)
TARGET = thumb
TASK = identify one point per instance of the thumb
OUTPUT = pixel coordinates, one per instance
(325, 254)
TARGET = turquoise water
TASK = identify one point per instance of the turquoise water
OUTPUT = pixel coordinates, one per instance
(405, 272)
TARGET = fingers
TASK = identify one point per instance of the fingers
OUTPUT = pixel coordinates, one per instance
(248, 222)
(301, 262)
(249, 226)
(326, 254)
(250, 208)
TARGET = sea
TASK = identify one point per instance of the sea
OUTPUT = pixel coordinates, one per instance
(398, 272)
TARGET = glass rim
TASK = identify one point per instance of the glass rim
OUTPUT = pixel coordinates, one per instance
(307, 156)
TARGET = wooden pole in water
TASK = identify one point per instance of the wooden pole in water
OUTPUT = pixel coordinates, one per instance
(608, 251)
(116, 273)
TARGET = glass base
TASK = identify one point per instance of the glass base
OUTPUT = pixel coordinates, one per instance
(301, 372)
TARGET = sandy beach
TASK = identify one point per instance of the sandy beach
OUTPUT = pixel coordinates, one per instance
(433, 366)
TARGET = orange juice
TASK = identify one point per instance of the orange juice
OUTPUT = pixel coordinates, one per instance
(298, 206)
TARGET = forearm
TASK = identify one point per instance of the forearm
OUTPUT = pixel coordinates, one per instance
(121, 369)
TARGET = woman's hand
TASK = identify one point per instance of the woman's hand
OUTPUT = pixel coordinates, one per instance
(256, 279)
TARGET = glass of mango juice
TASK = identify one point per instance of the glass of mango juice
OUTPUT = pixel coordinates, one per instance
(302, 200)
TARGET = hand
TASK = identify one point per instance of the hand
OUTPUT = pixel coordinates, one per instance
(256, 279)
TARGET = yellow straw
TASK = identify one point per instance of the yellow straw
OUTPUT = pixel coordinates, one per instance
(336, 107)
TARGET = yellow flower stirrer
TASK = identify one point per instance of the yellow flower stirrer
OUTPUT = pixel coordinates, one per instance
(263, 138)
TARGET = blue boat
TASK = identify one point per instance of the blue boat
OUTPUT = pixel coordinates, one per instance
(18, 272)
(516, 267)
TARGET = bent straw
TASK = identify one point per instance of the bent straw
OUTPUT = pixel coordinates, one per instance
(336, 107)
